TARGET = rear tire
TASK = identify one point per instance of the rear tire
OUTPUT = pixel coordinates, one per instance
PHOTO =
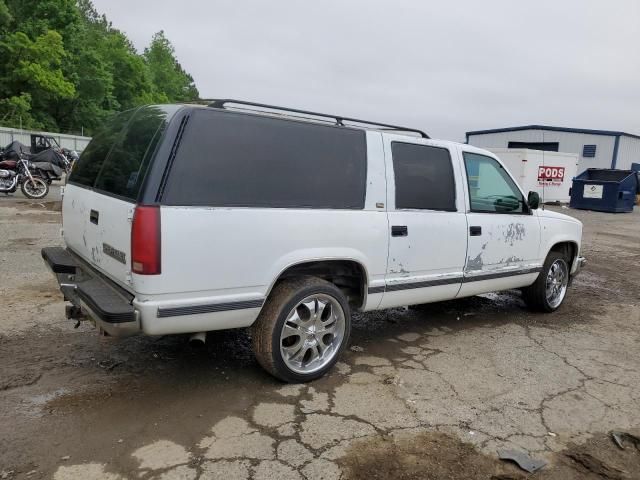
(550, 288)
(302, 329)
(35, 189)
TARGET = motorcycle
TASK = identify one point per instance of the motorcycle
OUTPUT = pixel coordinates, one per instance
(50, 164)
(14, 150)
(18, 172)
(71, 156)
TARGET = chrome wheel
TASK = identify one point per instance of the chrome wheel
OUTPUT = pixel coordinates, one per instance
(557, 281)
(312, 334)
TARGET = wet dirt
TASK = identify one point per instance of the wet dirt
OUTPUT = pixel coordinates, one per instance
(50, 205)
(450, 382)
(435, 456)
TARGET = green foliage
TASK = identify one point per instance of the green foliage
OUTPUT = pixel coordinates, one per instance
(168, 77)
(65, 67)
(35, 65)
(15, 111)
(5, 15)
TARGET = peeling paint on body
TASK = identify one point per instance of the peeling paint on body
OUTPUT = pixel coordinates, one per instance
(510, 260)
(513, 233)
(95, 255)
(400, 271)
(475, 263)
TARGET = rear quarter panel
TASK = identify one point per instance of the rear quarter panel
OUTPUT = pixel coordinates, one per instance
(217, 255)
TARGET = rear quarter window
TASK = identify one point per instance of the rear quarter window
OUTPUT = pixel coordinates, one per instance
(85, 171)
(117, 158)
(230, 159)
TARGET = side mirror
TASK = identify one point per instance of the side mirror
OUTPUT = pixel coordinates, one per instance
(533, 200)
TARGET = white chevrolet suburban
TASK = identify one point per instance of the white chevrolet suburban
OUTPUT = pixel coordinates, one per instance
(192, 218)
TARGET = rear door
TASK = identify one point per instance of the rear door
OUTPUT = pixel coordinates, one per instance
(427, 222)
(104, 186)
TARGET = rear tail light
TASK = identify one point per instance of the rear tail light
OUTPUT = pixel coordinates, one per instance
(145, 241)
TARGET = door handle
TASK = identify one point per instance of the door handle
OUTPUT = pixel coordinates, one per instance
(93, 216)
(475, 231)
(399, 231)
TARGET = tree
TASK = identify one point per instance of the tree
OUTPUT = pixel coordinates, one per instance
(64, 66)
(171, 82)
(31, 75)
(5, 15)
(16, 111)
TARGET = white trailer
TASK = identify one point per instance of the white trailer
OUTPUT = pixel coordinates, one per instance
(548, 173)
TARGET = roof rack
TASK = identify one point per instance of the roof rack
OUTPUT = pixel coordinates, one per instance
(220, 103)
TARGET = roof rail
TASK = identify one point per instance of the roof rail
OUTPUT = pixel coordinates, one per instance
(220, 103)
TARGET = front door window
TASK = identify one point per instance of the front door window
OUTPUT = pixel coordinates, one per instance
(491, 189)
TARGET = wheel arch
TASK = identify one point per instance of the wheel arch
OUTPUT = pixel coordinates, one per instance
(348, 274)
(569, 248)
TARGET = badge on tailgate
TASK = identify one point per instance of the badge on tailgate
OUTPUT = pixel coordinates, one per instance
(114, 253)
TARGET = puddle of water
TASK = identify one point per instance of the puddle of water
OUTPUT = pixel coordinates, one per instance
(35, 406)
(44, 398)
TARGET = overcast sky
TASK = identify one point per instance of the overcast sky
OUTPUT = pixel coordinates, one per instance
(443, 66)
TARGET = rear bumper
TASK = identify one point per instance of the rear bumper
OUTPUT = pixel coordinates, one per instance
(106, 304)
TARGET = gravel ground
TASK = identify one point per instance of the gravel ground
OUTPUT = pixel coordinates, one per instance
(422, 393)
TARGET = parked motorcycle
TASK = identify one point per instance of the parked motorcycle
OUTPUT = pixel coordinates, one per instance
(18, 172)
(50, 164)
(71, 155)
(14, 151)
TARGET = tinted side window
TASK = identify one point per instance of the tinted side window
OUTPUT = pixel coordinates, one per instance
(424, 177)
(491, 189)
(123, 171)
(239, 160)
(117, 158)
(86, 169)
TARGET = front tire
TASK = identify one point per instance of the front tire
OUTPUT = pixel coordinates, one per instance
(302, 329)
(549, 290)
(35, 189)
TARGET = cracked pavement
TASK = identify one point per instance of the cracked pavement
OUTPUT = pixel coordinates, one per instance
(483, 370)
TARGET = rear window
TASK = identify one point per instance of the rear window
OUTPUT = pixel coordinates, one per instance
(117, 158)
(229, 159)
(424, 177)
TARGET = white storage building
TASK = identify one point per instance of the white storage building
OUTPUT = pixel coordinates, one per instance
(595, 148)
(548, 173)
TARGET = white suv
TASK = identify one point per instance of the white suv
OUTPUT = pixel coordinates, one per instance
(192, 218)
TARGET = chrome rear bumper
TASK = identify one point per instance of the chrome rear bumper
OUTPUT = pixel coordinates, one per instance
(93, 295)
